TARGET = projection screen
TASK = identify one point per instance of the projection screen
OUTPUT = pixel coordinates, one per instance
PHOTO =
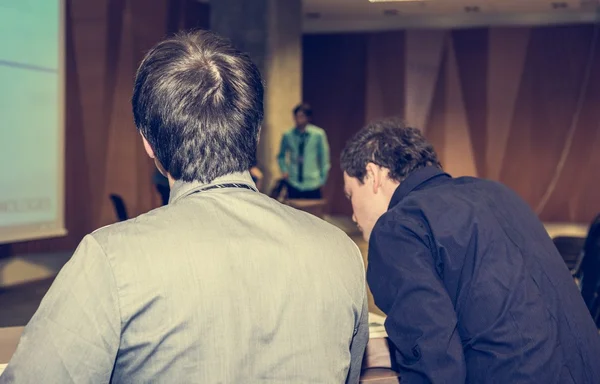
(32, 104)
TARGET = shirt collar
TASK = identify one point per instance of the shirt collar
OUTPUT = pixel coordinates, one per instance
(415, 180)
(297, 131)
(183, 188)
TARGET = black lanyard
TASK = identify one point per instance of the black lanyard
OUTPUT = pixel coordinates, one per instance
(222, 186)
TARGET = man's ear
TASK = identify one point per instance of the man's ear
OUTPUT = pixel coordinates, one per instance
(374, 174)
(152, 155)
(147, 147)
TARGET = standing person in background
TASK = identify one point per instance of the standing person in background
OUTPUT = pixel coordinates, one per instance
(304, 156)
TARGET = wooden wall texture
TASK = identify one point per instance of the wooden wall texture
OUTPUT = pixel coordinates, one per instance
(517, 105)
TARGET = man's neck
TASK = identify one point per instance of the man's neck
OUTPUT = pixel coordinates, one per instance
(301, 129)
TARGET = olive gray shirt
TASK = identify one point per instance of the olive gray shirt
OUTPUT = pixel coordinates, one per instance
(222, 286)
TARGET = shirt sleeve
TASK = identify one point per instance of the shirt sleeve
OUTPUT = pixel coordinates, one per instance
(325, 158)
(359, 344)
(74, 335)
(421, 321)
(281, 160)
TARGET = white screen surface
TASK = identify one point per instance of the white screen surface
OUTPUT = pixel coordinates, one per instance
(31, 119)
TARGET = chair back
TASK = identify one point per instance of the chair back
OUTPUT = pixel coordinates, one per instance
(119, 206)
(589, 271)
(570, 249)
(279, 192)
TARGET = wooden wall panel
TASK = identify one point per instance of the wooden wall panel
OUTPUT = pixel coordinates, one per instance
(334, 68)
(460, 161)
(510, 104)
(435, 119)
(578, 188)
(556, 60)
(560, 58)
(423, 56)
(471, 48)
(563, 55)
(507, 48)
(385, 75)
(513, 172)
(105, 40)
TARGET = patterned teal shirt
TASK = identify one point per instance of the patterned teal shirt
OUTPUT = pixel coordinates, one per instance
(316, 163)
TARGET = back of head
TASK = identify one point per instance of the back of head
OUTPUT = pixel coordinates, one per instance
(199, 103)
(304, 108)
(390, 144)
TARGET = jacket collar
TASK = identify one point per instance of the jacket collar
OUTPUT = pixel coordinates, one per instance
(182, 188)
(296, 131)
(416, 180)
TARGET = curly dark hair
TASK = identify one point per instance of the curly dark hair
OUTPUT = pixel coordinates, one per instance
(304, 107)
(390, 144)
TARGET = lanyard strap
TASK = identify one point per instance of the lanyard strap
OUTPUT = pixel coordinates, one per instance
(221, 186)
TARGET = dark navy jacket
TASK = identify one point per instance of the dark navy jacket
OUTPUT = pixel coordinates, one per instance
(474, 289)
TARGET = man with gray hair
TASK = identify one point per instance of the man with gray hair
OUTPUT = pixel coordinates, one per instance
(223, 284)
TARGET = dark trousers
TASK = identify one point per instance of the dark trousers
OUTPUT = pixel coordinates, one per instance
(293, 193)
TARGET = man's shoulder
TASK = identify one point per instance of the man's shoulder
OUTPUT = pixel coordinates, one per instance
(477, 181)
(144, 226)
(161, 222)
(449, 204)
(400, 217)
(322, 234)
(313, 129)
(469, 191)
(308, 222)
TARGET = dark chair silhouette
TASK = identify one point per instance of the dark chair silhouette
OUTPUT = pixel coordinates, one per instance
(279, 192)
(570, 249)
(119, 206)
(164, 192)
(589, 271)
